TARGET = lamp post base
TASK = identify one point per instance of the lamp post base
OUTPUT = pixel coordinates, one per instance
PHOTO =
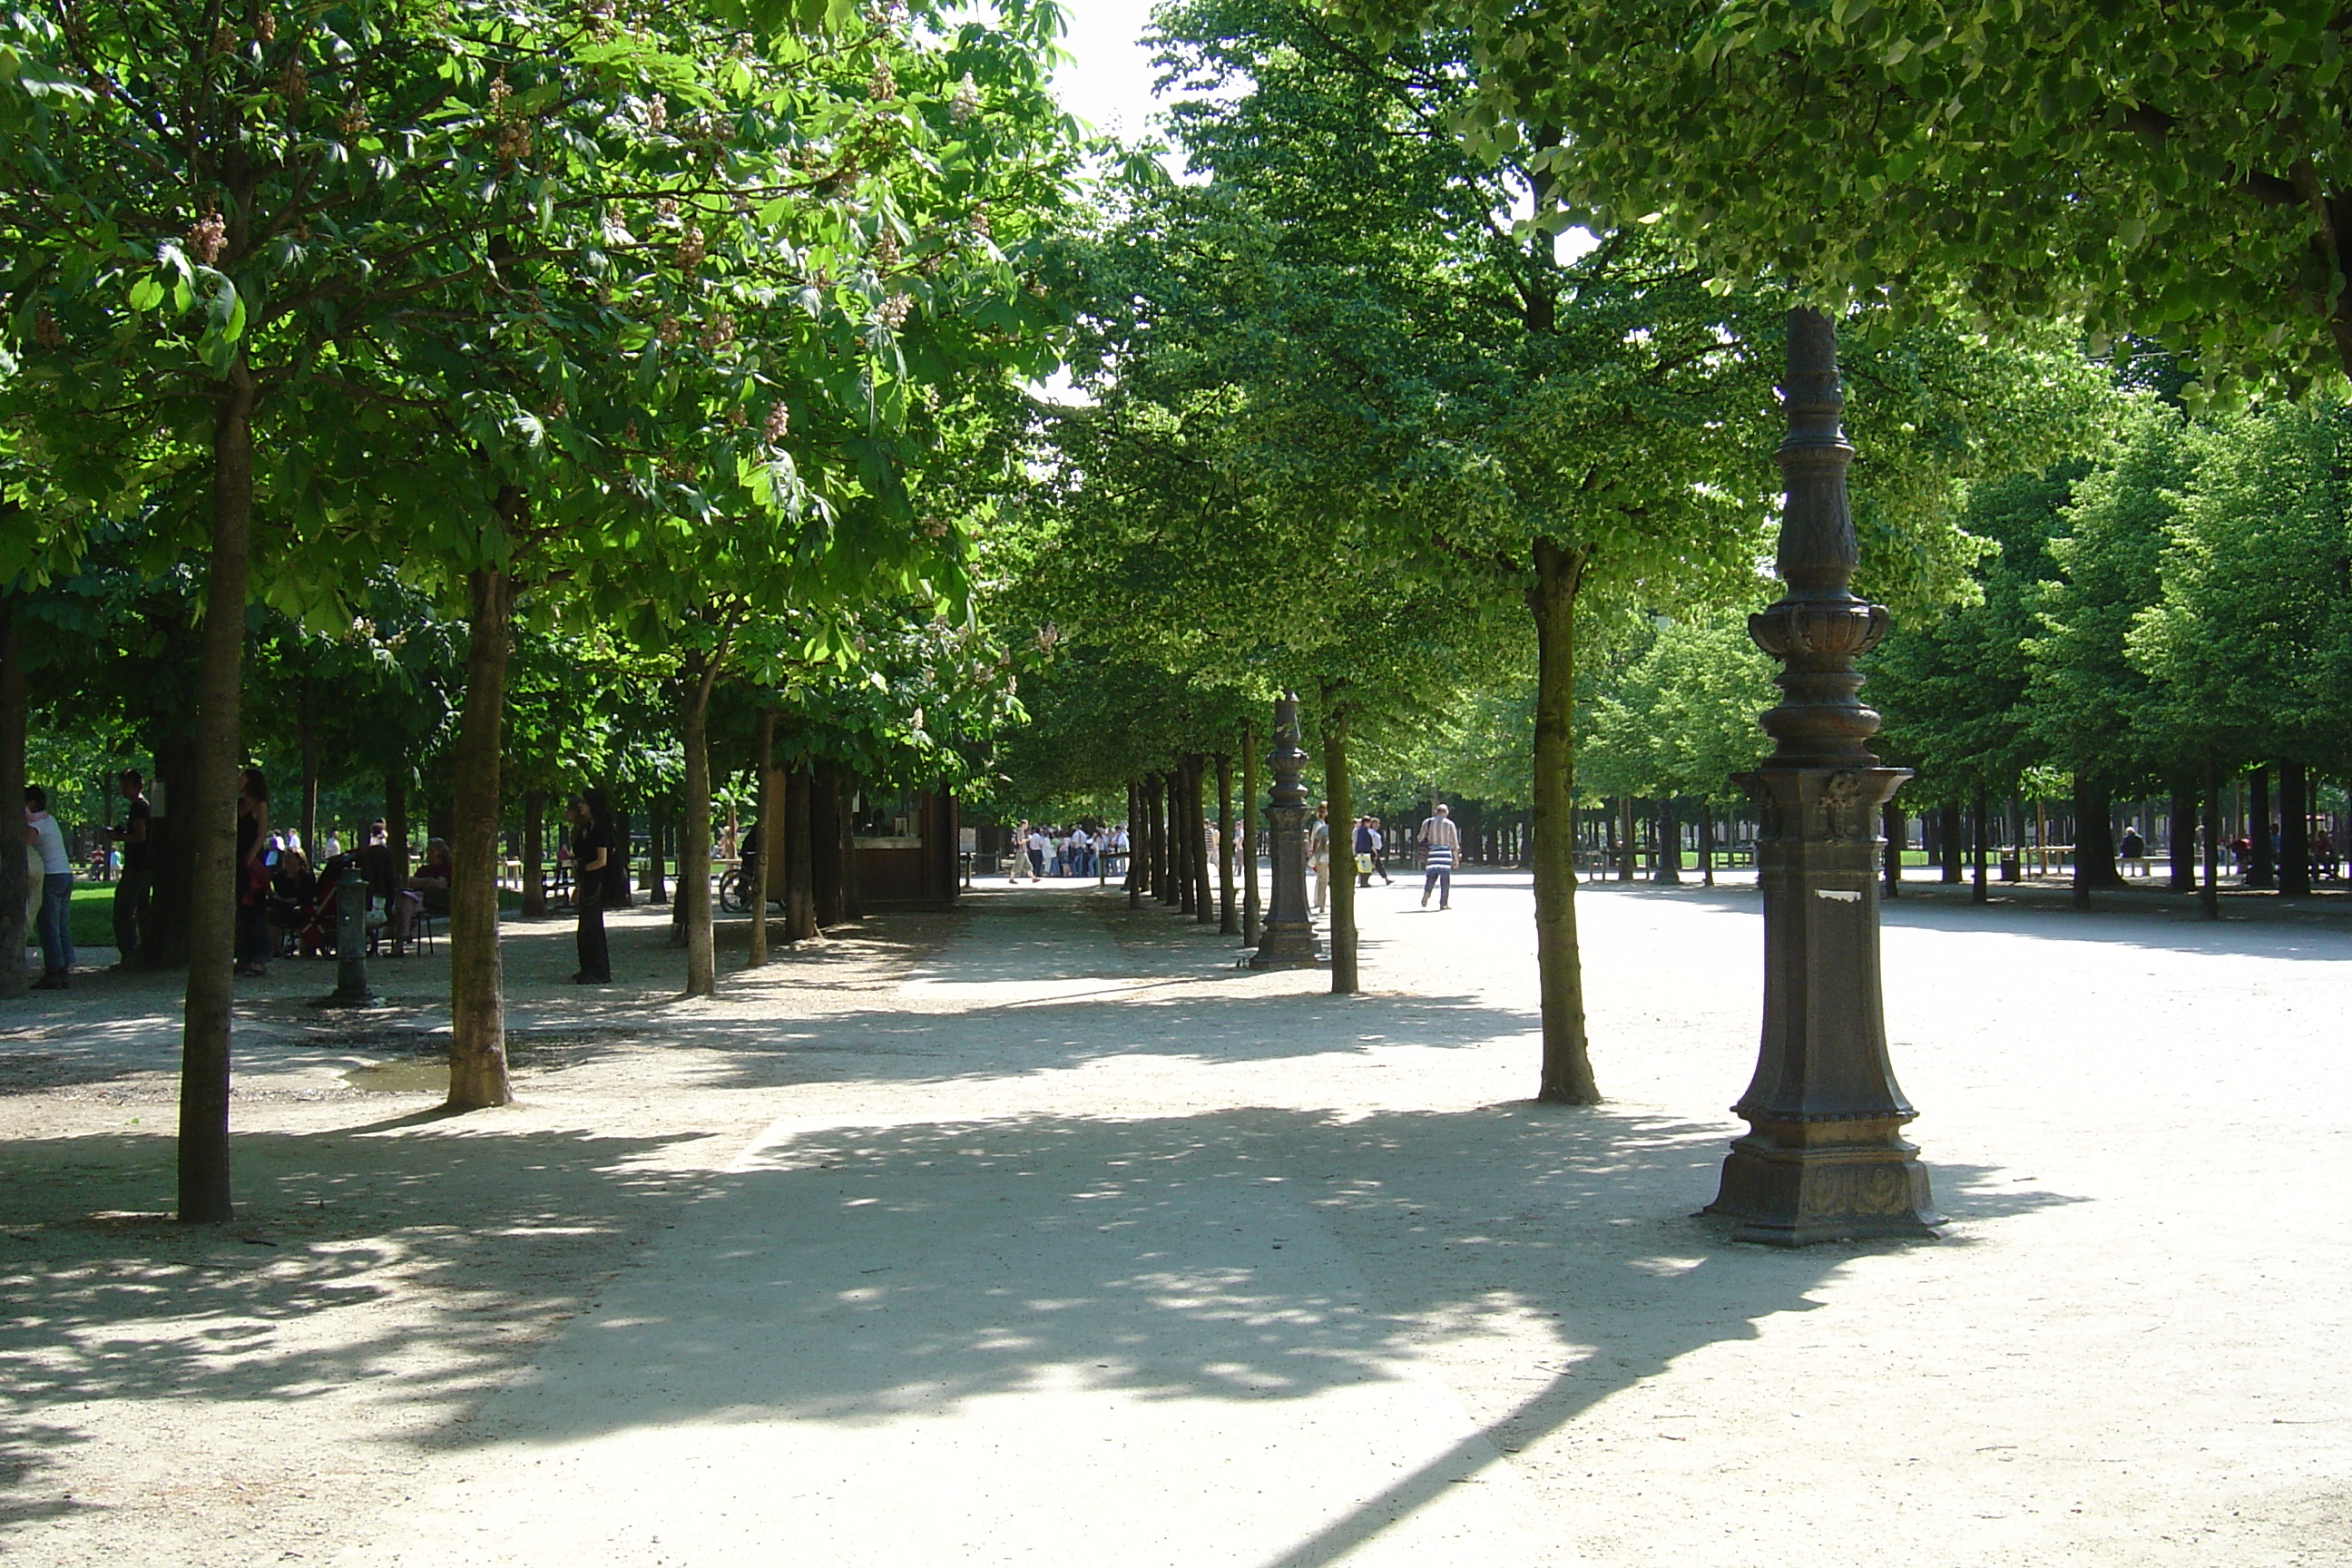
(1795, 1184)
(1282, 947)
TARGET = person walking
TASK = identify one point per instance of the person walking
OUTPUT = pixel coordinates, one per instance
(592, 865)
(1037, 844)
(1441, 840)
(253, 873)
(1319, 853)
(1367, 841)
(55, 922)
(137, 881)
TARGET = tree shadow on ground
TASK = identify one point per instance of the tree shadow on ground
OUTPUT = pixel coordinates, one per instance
(853, 1275)
(488, 1236)
(1160, 1018)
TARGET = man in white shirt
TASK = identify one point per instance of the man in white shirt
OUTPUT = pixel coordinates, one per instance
(1038, 845)
(55, 922)
(1081, 852)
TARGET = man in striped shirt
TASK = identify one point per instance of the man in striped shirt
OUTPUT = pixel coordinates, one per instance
(1440, 839)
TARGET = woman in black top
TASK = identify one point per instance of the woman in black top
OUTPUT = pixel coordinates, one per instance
(591, 855)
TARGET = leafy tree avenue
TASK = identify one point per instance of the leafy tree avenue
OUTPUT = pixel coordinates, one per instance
(760, 407)
(1345, 302)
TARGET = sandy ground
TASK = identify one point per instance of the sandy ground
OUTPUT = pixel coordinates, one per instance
(1038, 1233)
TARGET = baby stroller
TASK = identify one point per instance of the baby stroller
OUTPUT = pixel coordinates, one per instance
(294, 904)
(316, 936)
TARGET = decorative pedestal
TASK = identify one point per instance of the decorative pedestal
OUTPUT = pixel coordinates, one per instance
(1824, 1159)
(1287, 941)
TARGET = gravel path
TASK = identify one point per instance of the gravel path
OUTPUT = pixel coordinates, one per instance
(1038, 1233)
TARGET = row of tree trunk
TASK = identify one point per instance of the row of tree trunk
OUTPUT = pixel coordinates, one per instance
(1962, 838)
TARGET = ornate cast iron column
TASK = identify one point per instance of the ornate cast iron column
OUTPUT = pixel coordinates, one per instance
(1287, 940)
(1825, 1158)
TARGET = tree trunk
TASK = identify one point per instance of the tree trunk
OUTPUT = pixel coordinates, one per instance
(2210, 893)
(1196, 828)
(1892, 824)
(211, 809)
(1229, 922)
(1253, 908)
(1626, 852)
(852, 907)
(15, 699)
(1980, 893)
(2261, 869)
(1669, 859)
(1162, 815)
(1135, 837)
(698, 673)
(308, 743)
(660, 831)
(534, 854)
(800, 864)
(771, 833)
(170, 851)
(825, 848)
(1179, 838)
(2183, 848)
(2295, 831)
(1950, 843)
(1341, 875)
(1706, 841)
(2094, 839)
(395, 822)
(1567, 1076)
(1180, 835)
(2012, 865)
(478, 1039)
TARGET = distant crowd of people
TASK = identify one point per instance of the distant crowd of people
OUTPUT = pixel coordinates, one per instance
(1041, 851)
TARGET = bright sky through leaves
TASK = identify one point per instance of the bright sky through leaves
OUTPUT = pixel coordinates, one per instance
(1109, 83)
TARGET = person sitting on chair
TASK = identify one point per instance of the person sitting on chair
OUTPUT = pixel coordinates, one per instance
(293, 893)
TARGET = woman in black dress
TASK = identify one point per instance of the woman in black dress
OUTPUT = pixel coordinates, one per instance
(591, 855)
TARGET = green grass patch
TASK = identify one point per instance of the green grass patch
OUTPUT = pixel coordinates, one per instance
(91, 915)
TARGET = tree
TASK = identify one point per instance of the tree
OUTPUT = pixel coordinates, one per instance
(2251, 640)
(1679, 719)
(1954, 690)
(2176, 172)
(207, 210)
(2093, 708)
